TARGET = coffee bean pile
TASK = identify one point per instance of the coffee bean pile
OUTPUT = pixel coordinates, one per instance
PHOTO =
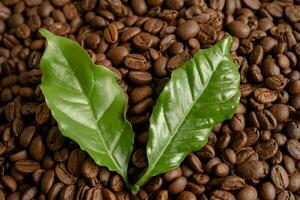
(255, 155)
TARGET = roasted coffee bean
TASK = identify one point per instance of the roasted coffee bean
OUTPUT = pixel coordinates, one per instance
(221, 194)
(279, 177)
(9, 182)
(54, 139)
(188, 30)
(252, 170)
(172, 174)
(89, 169)
(42, 114)
(117, 54)
(140, 93)
(67, 192)
(143, 40)
(177, 60)
(136, 62)
(154, 184)
(75, 161)
(47, 181)
(30, 193)
(249, 192)
(239, 29)
(267, 120)
(267, 191)
(63, 175)
(186, 195)
(293, 147)
(27, 166)
(232, 183)
(139, 158)
(166, 42)
(26, 136)
(37, 148)
(55, 190)
(107, 194)
(177, 185)
(267, 149)
(140, 78)
(111, 33)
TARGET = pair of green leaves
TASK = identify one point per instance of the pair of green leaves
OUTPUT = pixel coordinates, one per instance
(89, 105)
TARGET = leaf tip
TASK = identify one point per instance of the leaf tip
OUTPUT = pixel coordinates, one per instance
(44, 32)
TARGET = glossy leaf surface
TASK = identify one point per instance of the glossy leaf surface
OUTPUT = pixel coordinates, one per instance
(201, 93)
(87, 103)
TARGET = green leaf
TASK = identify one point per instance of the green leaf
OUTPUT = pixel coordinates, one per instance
(201, 93)
(87, 103)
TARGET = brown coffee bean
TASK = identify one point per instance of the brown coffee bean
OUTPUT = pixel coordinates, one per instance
(75, 161)
(47, 181)
(177, 185)
(267, 120)
(280, 112)
(267, 149)
(61, 155)
(139, 158)
(139, 77)
(245, 154)
(140, 93)
(37, 148)
(42, 114)
(194, 163)
(279, 177)
(67, 192)
(27, 166)
(232, 183)
(221, 170)
(172, 174)
(23, 31)
(59, 28)
(186, 195)
(136, 62)
(55, 190)
(264, 95)
(30, 193)
(294, 87)
(143, 40)
(166, 42)
(116, 183)
(221, 194)
(252, 170)
(117, 54)
(247, 193)
(129, 33)
(177, 60)
(229, 156)
(276, 82)
(267, 191)
(239, 29)
(142, 106)
(275, 9)
(293, 147)
(21, 155)
(89, 169)
(107, 194)
(63, 175)
(9, 182)
(188, 30)
(54, 139)
(162, 195)
(111, 33)
(293, 130)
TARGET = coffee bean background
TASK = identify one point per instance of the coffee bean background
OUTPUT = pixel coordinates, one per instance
(255, 155)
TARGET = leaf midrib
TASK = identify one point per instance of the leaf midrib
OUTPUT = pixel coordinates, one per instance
(188, 111)
(91, 110)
